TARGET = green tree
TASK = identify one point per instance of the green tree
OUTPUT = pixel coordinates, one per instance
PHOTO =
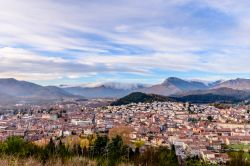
(62, 151)
(50, 148)
(210, 118)
(161, 156)
(18, 146)
(99, 146)
(116, 151)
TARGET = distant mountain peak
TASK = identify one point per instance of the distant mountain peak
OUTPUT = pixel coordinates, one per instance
(182, 84)
(238, 83)
(30, 92)
(8, 79)
(171, 80)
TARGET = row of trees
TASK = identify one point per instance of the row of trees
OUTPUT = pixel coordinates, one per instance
(106, 152)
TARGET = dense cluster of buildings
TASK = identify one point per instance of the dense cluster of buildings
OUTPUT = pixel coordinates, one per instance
(193, 130)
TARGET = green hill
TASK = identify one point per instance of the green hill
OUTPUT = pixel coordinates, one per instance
(138, 97)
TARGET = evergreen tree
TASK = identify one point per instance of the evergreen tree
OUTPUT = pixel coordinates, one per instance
(116, 151)
(99, 147)
(62, 151)
(50, 148)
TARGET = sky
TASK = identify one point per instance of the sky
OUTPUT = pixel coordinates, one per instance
(54, 42)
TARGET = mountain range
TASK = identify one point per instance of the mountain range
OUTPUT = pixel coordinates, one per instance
(106, 90)
(174, 85)
(13, 91)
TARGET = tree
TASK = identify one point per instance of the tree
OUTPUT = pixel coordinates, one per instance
(17, 146)
(210, 118)
(139, 143)
(71, 141)
(50, 148)
(116, 151)
(122, 131)
(98, 149)
(92, 138)
(84, 143)
(157, 156)
(193, 161)
(62, 151)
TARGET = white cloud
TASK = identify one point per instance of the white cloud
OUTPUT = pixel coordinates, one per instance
(120, 36)
(22, 64)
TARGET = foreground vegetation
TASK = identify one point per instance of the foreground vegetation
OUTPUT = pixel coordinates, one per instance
(31, 161)
(239, 158)
(96, 151)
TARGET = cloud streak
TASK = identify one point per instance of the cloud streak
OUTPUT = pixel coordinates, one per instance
(51, 40)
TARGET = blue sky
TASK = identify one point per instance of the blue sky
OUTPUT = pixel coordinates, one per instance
(83, 41)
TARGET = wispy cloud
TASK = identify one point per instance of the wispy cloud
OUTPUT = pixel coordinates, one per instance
(26, 65)
(50, 40)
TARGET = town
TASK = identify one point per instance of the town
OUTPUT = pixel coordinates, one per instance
(202, 130)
